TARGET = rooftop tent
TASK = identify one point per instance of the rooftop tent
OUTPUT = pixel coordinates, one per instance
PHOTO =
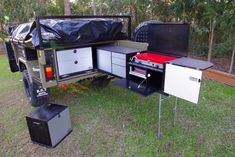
(70, 31)
(22, 31)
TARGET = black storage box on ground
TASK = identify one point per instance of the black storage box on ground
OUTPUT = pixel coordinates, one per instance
(49, 124)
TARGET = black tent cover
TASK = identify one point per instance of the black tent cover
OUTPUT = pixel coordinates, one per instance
(66, 32)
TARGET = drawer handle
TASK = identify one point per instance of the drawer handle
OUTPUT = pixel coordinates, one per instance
(76, 62)
(36, 123)
(191, 78)
(74, 51)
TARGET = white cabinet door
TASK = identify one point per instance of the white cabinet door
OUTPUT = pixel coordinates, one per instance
(182, 82)
(104, 60)
(73, 66)
(68, 55)
(74, 60)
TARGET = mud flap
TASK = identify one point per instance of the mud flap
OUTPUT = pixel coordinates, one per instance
(11, 57)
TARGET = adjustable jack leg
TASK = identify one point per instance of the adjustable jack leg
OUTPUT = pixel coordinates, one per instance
(159, 116)
(174, 110)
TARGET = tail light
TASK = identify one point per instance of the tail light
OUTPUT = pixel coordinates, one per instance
(49, 73)
(49, 65)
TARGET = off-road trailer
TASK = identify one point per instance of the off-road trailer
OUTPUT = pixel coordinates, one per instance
(100, 48)
(53, 63)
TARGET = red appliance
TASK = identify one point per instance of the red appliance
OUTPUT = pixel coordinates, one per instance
(152, 59)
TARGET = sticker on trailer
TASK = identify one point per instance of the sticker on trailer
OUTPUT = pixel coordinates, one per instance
(41, 92)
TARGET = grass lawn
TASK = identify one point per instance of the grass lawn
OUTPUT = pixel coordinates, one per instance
(113, 122)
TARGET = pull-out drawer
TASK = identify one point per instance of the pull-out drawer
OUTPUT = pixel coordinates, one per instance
(119, 61)
(119, 55)
(119, 64)
(182, 82)
(119, 70)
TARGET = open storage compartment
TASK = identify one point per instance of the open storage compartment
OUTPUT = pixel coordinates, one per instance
(145, 84)
(113, 59)
(146, 70)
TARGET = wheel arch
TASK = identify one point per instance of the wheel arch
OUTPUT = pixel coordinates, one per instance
(27, 65)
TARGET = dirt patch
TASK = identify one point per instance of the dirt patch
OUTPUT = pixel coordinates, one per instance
(2, 47)
(2, 52)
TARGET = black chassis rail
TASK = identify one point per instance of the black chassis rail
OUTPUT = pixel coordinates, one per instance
(38, 18)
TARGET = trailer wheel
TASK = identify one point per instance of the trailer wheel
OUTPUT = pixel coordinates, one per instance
(31, 91)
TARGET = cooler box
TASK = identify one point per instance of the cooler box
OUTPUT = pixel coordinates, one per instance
(49, 124)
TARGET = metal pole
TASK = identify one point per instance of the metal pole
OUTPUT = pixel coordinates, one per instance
(175, 108)
(129, 27)
(159, 116)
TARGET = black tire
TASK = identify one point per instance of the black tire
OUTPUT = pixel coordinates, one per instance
(31, 91)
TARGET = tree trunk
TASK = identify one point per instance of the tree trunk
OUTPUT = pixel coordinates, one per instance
(1, 31)
(94, 7)
(133, 11)
(232, 58)
(101, 10)
(67, 7)
(211, 38)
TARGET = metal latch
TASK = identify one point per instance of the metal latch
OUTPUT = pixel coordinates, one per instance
(191, 78)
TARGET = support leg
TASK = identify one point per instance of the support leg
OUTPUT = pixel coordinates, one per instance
(159, 116)
(174, 110)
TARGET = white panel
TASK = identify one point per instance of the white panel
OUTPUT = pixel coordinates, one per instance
(66, 55)
(182, 82)
(104, 60)
(67, 60)
(68, 67)
(119, 55)
(59, 126)
(119, 70)
(118, 61)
